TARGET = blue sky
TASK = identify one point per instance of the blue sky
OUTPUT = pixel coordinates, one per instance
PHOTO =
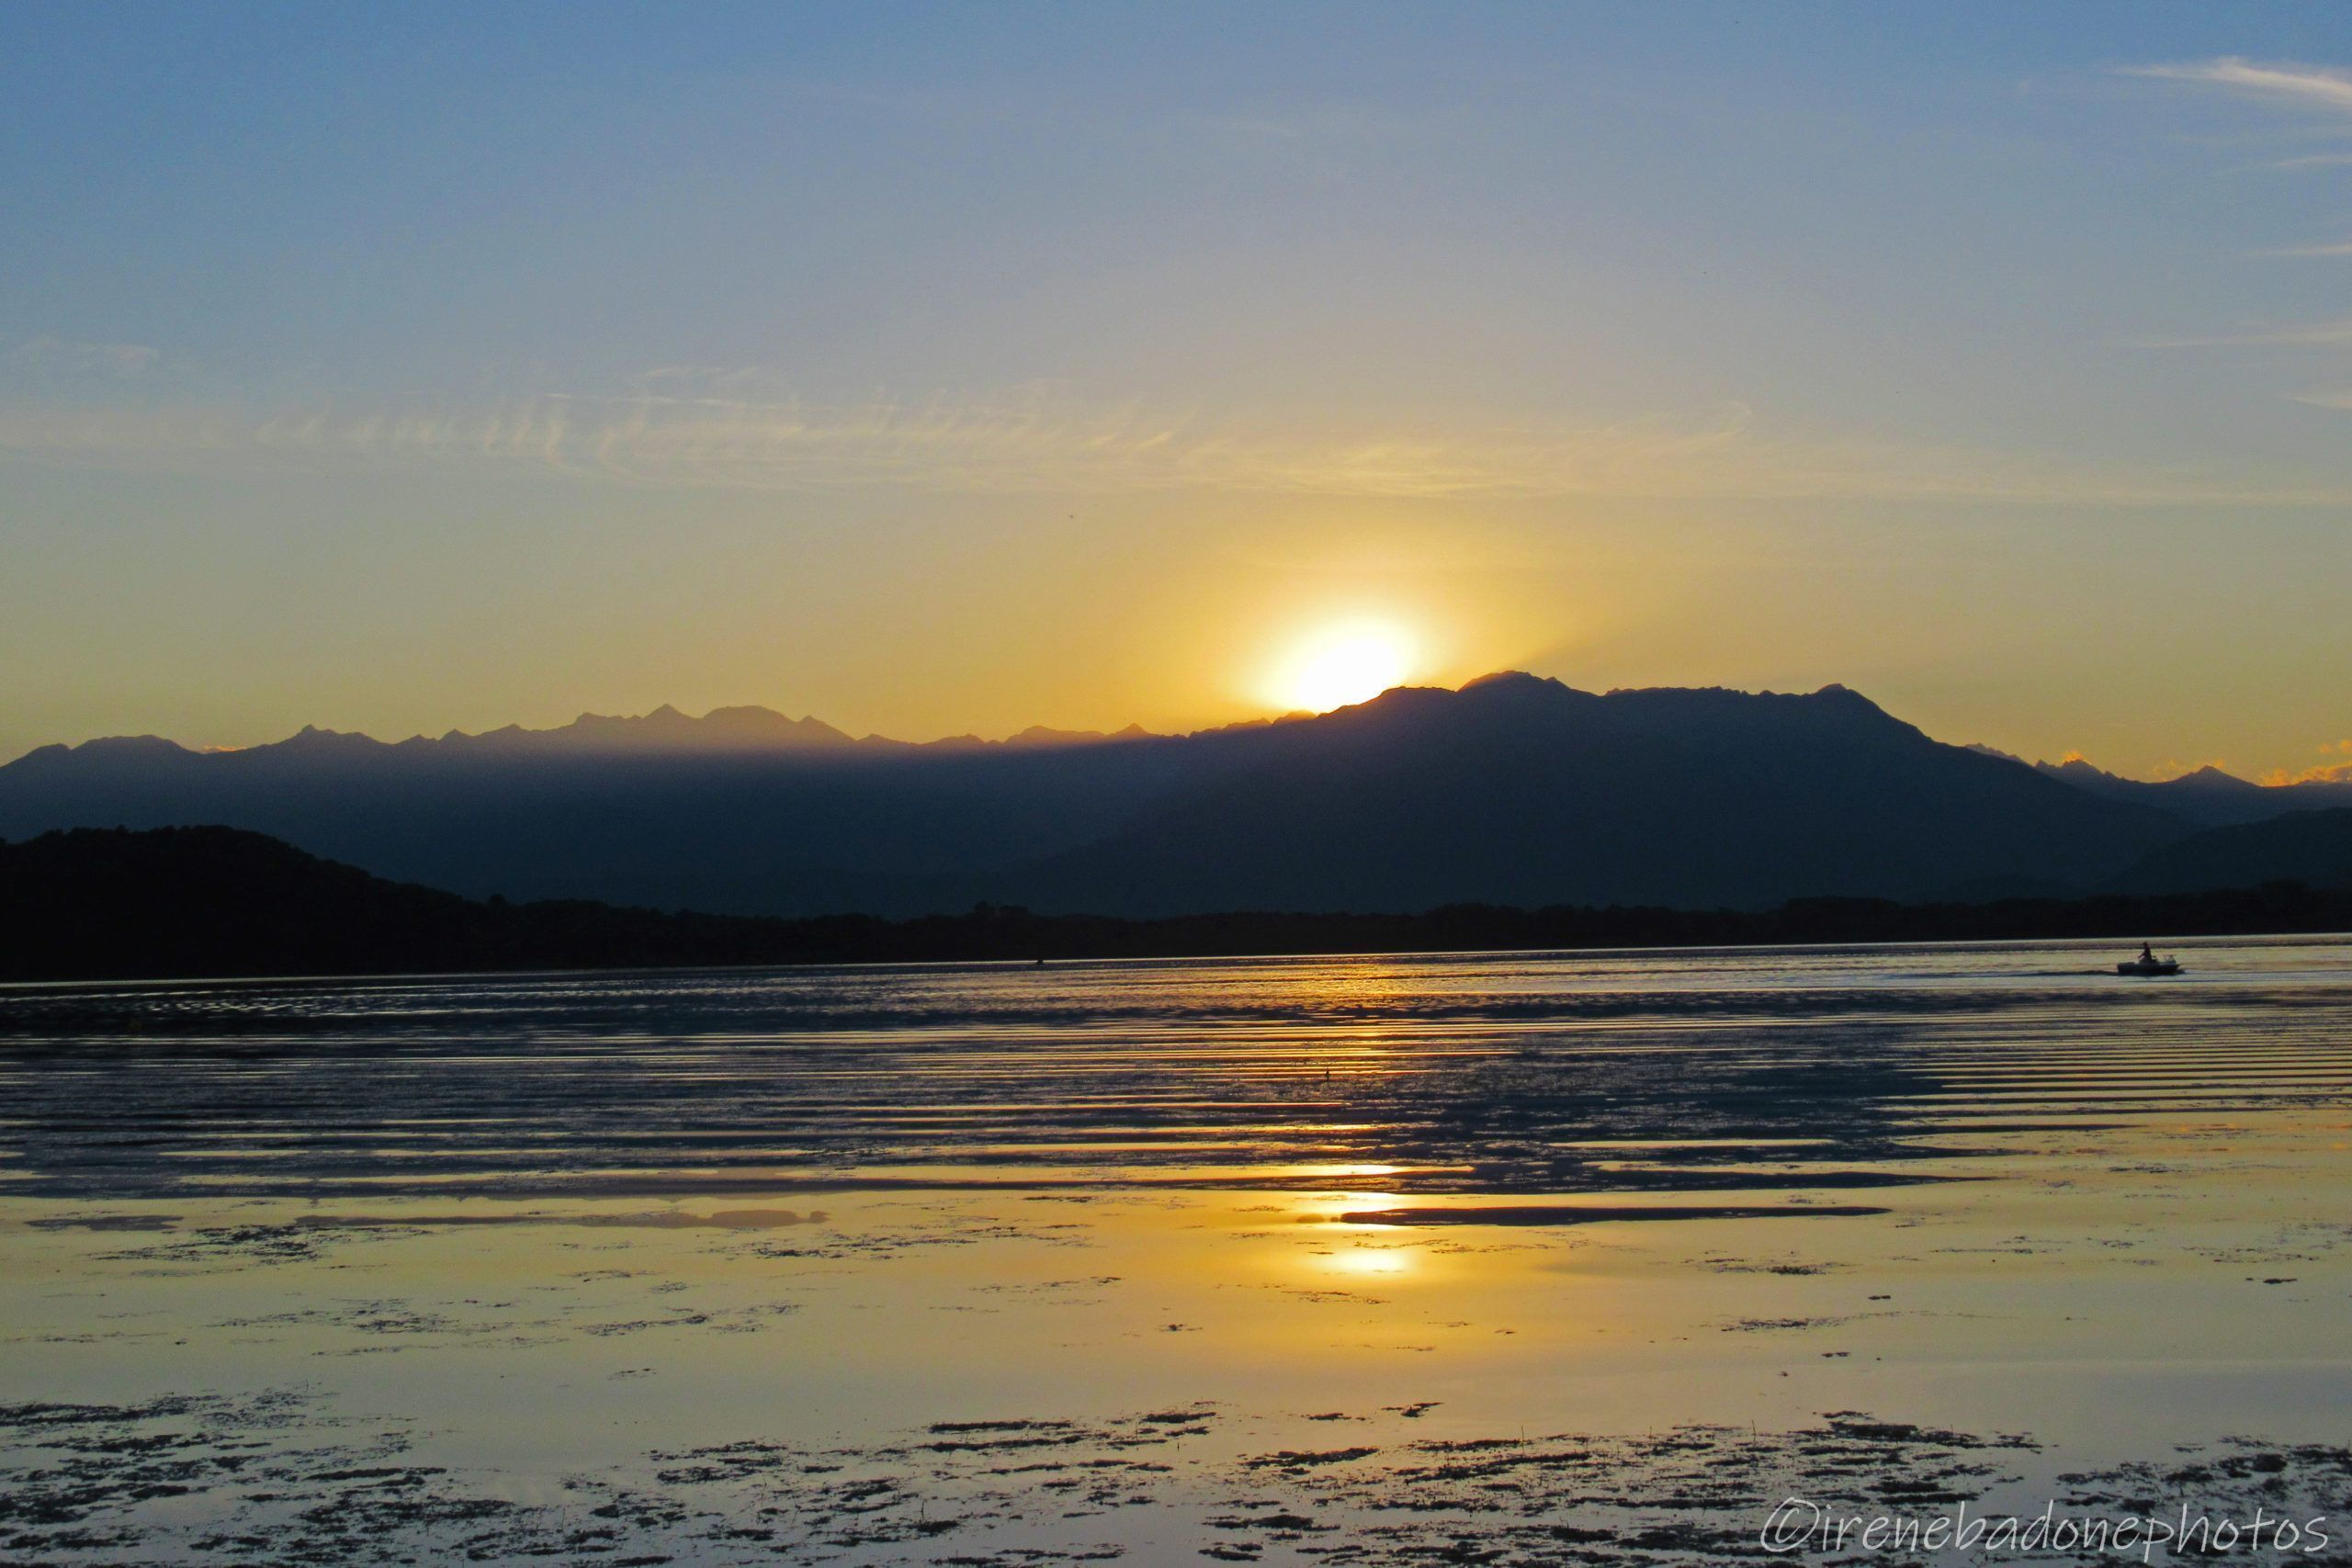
(939, 368)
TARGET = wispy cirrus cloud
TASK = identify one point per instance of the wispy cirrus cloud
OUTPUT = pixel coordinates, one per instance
(2291, 81)
(2284, 85)
(2327, 337)
(52, 356)
(1036, 440)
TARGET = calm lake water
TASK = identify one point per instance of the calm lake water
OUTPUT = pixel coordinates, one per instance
(1485, 1257)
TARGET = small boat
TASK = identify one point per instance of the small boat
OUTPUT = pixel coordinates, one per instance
(2149, 964)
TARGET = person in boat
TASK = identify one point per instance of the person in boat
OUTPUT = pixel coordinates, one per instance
(2147, 954)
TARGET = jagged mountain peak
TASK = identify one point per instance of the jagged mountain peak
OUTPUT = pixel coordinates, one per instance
(664, 729)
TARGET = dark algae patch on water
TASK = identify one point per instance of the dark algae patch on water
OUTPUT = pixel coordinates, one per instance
(275, 1479)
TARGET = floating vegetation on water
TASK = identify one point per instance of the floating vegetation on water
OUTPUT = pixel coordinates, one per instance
(273, 1479)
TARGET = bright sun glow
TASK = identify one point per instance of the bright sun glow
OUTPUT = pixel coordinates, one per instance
(1343, 665)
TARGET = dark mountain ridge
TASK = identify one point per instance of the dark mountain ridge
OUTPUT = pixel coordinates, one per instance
(2207, 796)
(1514, 789)
(723, 731)
(1524, 791)
(2310, 847)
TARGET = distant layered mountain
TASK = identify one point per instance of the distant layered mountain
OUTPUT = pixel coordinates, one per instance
(2310, 847)
(1512, 790)
(665, 732)
(721, 731)
(2207, 798)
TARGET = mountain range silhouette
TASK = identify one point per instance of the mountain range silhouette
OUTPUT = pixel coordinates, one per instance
(1513, 790)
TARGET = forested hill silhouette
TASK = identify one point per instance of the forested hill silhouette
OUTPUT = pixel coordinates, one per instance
(1514, 790)
(2313, 847)
(181, 903)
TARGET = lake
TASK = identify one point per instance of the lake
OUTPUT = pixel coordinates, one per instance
(1586, 1257)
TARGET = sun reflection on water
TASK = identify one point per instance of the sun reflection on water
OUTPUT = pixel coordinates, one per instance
(1366, 1261)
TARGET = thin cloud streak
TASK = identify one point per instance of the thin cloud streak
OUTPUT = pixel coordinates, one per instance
(2289, 80)
(50, 354)
(2281, 82)
(1034, 443)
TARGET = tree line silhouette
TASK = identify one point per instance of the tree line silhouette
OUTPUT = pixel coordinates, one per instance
(184, 902)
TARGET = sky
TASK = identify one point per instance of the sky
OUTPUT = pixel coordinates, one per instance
(945, 370)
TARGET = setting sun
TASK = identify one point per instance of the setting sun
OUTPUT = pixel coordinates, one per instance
(1342, 665)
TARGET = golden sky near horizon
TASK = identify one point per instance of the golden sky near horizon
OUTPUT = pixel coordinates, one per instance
(945, 372)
